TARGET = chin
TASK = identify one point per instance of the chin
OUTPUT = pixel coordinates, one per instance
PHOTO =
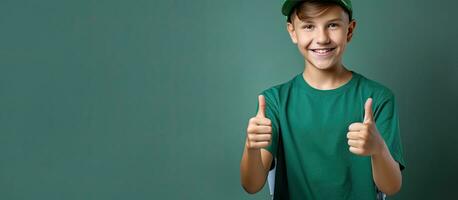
(324, 66)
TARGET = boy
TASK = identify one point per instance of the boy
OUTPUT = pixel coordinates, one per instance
(333, 132)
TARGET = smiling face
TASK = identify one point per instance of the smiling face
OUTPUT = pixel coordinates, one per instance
(321, 34)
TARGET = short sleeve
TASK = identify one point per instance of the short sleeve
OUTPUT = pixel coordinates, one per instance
(272, 114)
(387, 122)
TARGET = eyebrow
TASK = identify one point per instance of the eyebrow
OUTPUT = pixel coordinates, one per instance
(335, 19)
(332, 20)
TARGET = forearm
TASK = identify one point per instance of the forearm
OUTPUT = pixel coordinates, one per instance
(385, 171)
(252, 172)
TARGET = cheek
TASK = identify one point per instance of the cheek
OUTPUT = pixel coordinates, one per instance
(303, 47)
(303, 42)
(340, 39)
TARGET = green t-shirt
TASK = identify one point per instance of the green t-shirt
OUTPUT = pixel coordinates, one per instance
(315, 161)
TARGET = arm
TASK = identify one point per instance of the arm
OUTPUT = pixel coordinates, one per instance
(386, 172)
(366, 140)
(256, 161)
(254, 168)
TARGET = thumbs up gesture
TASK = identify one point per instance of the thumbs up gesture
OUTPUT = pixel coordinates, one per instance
(259, 131)
(364, 138)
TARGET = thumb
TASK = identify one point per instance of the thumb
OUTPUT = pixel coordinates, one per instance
(262, 106)
(368, 116)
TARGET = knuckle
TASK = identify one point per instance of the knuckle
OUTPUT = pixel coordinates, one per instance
(250, 144)
(269, 137)
(250, 137)
(253, 145)
(269, 122)
(269, 129)
(256, 145)
(249, 129)
(254, 137)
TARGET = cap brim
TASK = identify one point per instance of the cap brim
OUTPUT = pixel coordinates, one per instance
(289, 5)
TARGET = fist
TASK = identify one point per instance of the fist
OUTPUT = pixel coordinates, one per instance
(363, 138)
(259, 131)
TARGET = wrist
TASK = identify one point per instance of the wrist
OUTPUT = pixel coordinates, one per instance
(382, 150)
(251, 150)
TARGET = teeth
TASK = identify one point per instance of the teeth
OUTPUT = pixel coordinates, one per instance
(321, 50)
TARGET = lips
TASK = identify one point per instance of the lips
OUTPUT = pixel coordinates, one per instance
(323, 51)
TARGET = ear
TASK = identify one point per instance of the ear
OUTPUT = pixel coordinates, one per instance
(351, 29)
(291, 31)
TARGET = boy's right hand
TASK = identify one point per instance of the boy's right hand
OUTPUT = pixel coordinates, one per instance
(259, 131)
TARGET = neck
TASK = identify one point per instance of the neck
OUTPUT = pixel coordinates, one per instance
(326, 79)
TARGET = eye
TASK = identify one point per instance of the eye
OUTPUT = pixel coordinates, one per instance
(333, 25)
(308, 27)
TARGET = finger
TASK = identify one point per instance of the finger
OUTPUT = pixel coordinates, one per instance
(259, 144)
(356, 150)
(357, 126)
(262, 129)
(262, 106)
(259, 129)
(354, 143)
(260, 137)
(354, 136)
(260, 121)
(368, 111)
(263, 122)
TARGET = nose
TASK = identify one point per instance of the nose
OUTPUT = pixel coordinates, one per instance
(322, 37)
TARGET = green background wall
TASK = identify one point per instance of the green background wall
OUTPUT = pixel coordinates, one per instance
(110, 99)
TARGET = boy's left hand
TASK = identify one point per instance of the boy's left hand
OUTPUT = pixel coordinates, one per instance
(364, 138)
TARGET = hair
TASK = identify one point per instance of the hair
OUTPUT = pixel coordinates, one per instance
(312, 8)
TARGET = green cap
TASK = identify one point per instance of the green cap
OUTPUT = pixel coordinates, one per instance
(289, 5)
